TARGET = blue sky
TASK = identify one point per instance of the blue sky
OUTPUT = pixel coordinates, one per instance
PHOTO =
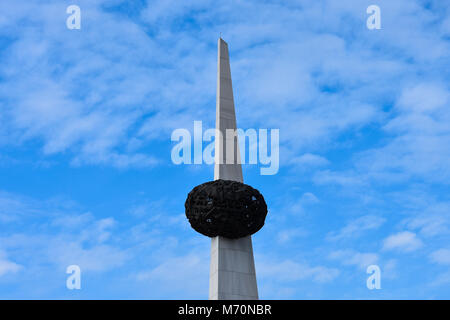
(85, 122)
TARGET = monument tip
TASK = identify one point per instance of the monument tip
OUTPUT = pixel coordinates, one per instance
(222, 43)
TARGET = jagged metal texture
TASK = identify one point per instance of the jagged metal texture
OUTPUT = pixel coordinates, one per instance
(225, 208)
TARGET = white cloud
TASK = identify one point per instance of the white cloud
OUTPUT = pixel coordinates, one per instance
(11, 207)
(389, 269)
(441, 256)
(63, 236)
(97, 258)
(72, 221)
(75, 98)
(308, 198)
(289, 270)
(309, 160)
(53, 234)
(7, 266)
(431, 218)
(423, 98)
(92, 105)
(179, 276)
(103, 98)
(354, 258)
(405, 241)
(357, 227)
(442, 279)
(297, 206)
(420, 129)
(287, 235)
(349, 179)
(78, 98)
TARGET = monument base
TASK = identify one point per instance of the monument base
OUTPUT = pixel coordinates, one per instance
(232, 270)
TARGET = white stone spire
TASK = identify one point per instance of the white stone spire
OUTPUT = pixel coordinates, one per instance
(232, 269)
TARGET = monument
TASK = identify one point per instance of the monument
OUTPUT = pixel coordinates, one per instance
(227, 210)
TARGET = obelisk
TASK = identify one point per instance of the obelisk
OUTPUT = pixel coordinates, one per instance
(232, 269)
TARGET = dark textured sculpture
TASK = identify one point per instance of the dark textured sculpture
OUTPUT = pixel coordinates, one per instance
(225, 208)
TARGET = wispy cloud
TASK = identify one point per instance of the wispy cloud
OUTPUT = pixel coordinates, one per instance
(354, 258)
(309, 160)
(182, 276)
(7, 266)
(363, 118)
(357, 227)
(289, 270)
(420, 128)
(441, 256)
(404, 241)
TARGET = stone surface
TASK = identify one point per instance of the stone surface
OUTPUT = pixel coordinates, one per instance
(225, 119)
(232, 268)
